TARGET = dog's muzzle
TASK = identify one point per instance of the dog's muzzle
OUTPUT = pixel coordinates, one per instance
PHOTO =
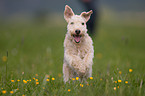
(77, 36)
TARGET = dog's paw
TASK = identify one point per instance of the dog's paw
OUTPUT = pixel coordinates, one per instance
(82, 70)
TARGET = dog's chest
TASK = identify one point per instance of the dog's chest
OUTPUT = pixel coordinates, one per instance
(81, 52)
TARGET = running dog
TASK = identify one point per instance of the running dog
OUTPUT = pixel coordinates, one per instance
(78, 46)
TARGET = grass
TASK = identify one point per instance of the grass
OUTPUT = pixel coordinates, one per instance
(31, 57)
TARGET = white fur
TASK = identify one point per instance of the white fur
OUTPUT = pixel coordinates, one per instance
(78, 57)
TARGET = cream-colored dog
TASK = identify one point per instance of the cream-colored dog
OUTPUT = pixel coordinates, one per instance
(78, 46)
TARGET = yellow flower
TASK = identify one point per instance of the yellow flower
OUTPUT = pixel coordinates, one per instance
(91, 78)
(77, 78)
(11, 92)
(36, 74)
(18, 80)
(47, 79)
(30, 80)
(73, 79)
(118, 87)
(4, 58)
(119, 81)
(130, 70)
(43, 87)
(23, 95)
(81, 85)
(120, 72)
(126, 82)
(53, 78)
(37, 83)
(114, 88)
(4, 91)
(87, 84)
(36, 80)
(115, 81)
(68, 90)
(100, 79)
(12, 81)
(33, 78)
(25, 81)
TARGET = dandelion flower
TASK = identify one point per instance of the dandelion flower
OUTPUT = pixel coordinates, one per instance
(33, 78)
(120, 72)
(11, 92)
(12, 81)
(130, 70)
(53, 78)
(18, 80)
(68, 90)
(23, 95)
(25, 81)
(4, 58)
(115, 81)
(126, 82)
(118, 87)
(100, 79)
(4, 91)
(81, 85)
(114, 88)
(37, 83)
(77, 78)
(119, 81)
(73, 79)
(91, 78)
(47, 79)
(87, 84)
(36, 74)
(36, 80)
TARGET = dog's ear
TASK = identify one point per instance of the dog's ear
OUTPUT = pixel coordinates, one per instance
(68, 13)
(86, 15)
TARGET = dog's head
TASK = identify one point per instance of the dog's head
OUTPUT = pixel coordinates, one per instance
(76, 24)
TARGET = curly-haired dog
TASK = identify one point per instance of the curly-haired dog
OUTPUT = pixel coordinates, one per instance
(78, 46)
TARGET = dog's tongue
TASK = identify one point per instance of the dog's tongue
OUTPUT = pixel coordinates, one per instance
(77, 39)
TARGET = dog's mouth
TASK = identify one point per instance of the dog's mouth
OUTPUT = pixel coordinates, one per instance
(77, 38)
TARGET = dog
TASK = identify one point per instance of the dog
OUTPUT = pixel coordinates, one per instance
(78, 46)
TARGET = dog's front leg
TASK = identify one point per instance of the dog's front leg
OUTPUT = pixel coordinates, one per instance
(88, 60)
(75, 62)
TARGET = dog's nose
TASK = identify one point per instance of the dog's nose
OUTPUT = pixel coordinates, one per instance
(77, 31)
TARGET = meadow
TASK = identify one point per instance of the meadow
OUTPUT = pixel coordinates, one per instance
(31, 59)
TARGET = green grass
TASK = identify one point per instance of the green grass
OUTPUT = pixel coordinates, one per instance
(33, 49)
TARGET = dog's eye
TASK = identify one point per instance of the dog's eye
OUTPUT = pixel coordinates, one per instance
(83, 23)
(72, 23)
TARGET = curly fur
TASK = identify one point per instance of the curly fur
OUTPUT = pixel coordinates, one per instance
(78, 56)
